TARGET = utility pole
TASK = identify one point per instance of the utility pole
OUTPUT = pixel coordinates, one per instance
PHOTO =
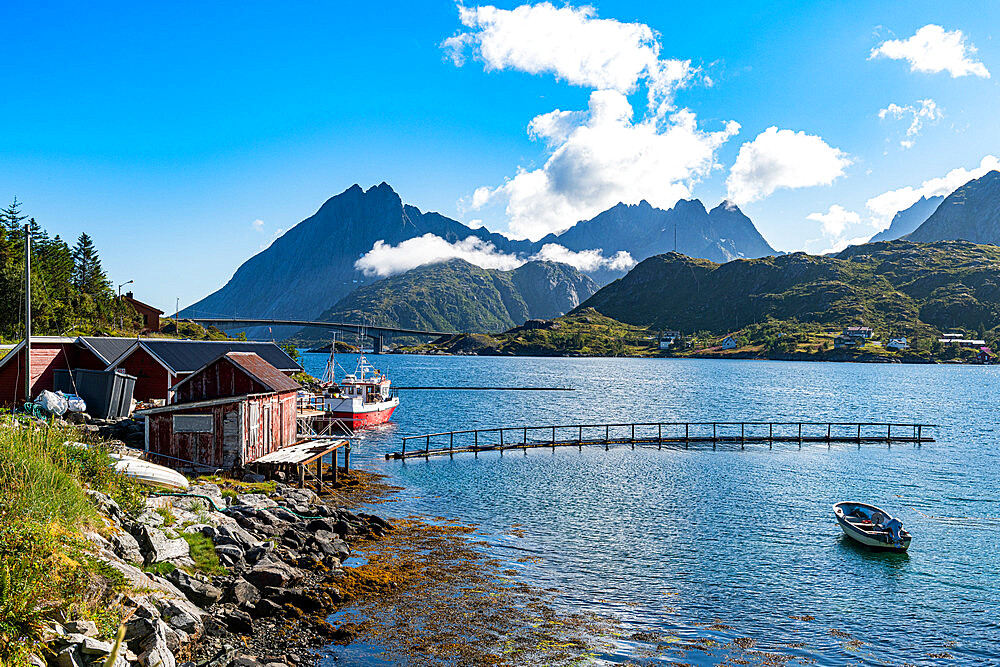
(27, 314)
(121, 306)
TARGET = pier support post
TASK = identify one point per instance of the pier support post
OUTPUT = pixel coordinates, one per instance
(302, 477)
(743, 438)
(553, 437)
(888, 435)
(427, 447)
(319, 473)
(334, 473)
(347, 457)
(475, 440)
(770, 436)
(607, 431)
(859, 435)
(579, 438)
(687, 435)
(714, 438)
(919, 439)
(501, 438)
(800, 435)
(828, 427)
(451, 444)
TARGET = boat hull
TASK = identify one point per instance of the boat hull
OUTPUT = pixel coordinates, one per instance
(366, 419)
(870, 539)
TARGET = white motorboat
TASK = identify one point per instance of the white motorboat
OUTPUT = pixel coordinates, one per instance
(152, 474)
(871, 526)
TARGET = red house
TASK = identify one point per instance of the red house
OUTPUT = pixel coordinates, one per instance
(160, 363)
(49, 353)
(228, 413)
(150, 315)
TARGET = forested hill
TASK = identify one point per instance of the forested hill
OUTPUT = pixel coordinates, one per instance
(69, 289)
(897, 287)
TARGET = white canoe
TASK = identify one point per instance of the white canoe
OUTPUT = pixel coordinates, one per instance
(152, 474)
(871, 526)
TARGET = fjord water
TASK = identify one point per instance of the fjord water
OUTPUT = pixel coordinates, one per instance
(726, 544)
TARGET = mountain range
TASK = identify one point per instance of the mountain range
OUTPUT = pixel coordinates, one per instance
(458, 296)
(311, 267)
(900, 287)
(907, 220)
(970, 213)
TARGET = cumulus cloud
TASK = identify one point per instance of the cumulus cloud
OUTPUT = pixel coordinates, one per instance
(835, 221)
(605, 159)
(570, 43)
(258, 225)
(783, 159)
(927, 112)
(585, 260)
(887, 204)
(602, 155)
(933, 49)
(385, 260)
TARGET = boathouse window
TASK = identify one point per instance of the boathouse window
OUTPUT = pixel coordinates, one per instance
(193, 423)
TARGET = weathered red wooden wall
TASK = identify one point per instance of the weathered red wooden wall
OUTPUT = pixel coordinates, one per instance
(46, 358)
(219, 379)
(152, 379)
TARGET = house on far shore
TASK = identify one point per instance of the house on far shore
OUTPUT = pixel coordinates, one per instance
(667, 339)
(985, 355)
(150, 315)
(729, 343)
(859, 333)
(960, 341)
(897, 344)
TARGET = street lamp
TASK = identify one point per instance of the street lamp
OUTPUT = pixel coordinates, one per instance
(121, 312)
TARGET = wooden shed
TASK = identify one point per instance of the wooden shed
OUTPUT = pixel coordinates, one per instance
(150, 315)
(232, 411)
(51, 353)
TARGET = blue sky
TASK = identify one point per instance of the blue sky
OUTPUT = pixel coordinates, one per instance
(166, 131)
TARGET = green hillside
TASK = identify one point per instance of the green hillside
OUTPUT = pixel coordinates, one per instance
(898, 288)
(459, 296)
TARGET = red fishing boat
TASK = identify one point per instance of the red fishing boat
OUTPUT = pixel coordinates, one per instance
(361, 399)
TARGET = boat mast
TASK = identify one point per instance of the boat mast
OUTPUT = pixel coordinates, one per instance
(27, 313)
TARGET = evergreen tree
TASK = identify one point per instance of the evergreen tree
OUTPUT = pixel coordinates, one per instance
(88, 276)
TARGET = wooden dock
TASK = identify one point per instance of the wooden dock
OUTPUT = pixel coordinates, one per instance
(674, 435)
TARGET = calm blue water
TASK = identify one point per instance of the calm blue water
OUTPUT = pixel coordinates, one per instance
(676, 541)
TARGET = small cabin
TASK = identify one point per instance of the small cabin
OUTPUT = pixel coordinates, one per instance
(150, 315)
(729, 343)
(232, 411)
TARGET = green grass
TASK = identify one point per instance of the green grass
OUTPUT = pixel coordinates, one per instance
(168, 516)
(159, 568)
(45, 566)
(203, 553)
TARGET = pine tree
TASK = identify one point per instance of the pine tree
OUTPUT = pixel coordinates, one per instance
(88, 276)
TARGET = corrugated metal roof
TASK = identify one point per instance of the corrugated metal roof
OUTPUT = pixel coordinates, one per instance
(267, 374)
(304, 452)
(187, 356)
(108, 348)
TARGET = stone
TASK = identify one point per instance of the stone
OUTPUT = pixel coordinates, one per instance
(238, 621)
(236, 535)
(106, 504)
(322, 524)
(202, 593)
(180, 617)
(255, 555)
(242, 592)
(156, 649)
(215, 628)
(94, 646)
(329, 544)
(158, 548)
(264, 608)
(229, 554)
(35, 661)
(271, 573)
(68, 657)
(255, 500)
(246, 661)
(85, 628)
(126, 547)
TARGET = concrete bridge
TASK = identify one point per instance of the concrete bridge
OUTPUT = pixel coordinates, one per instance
(378, 334)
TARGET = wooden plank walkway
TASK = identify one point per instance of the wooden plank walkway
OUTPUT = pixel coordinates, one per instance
(674, 435)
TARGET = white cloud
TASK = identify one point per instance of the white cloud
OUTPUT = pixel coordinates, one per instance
(258, 225)
(604, 159)
(385, 260)
(585, 260)
(887, 204)
(783, 159)
(928, 112)
(572, 44)
(934, 49)
(835, 221)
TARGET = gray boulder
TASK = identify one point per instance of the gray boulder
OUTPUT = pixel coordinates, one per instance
(273, 573)
(157, 548)
(202, 593)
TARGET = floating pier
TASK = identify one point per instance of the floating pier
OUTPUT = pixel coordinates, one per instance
(674, 435)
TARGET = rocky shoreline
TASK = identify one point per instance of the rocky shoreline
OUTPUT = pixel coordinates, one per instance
(281, 555)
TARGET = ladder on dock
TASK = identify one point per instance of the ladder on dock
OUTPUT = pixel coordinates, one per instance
(674, 435)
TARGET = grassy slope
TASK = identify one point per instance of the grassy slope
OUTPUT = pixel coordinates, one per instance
(898, 288)
(44, 561)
